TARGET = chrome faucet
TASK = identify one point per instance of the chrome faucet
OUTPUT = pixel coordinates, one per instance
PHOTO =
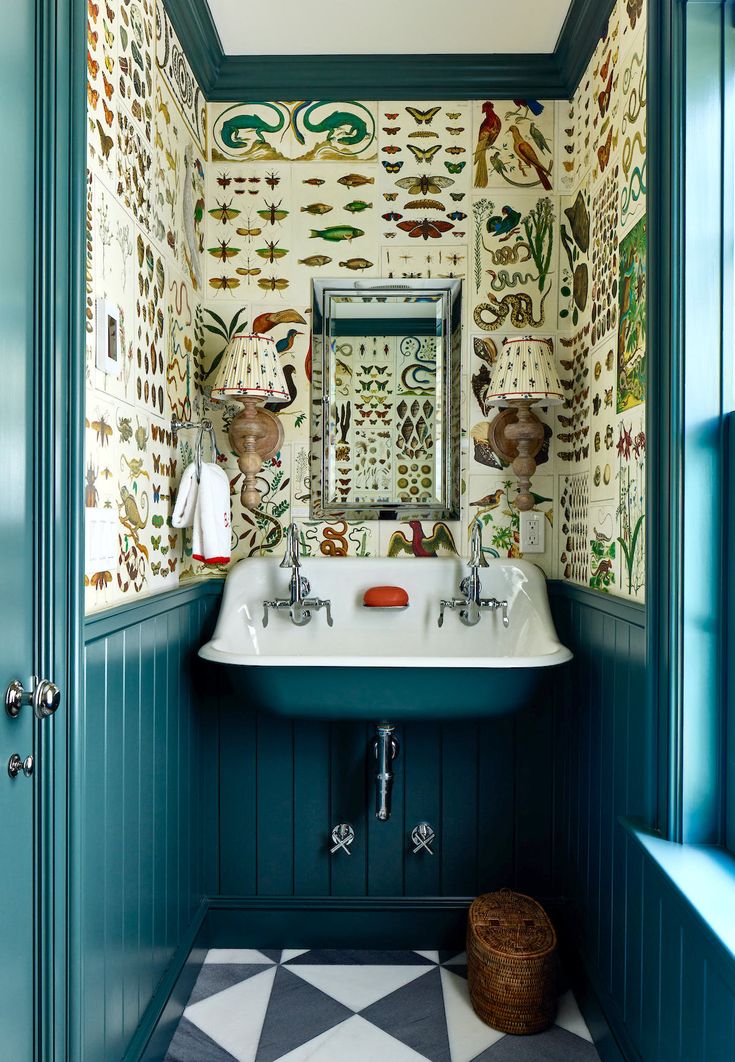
(472, 604)
(300, 607)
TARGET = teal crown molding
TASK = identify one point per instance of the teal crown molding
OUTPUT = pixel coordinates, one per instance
(399, 77)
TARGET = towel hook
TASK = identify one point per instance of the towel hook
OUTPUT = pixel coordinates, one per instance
(202, 425)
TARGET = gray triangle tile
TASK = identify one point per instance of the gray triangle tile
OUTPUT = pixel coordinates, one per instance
(415, 1016)
(297, 1012)
(190, 1044)
(554, 1045)
(272, 953)
(360, 957)
(216, 977)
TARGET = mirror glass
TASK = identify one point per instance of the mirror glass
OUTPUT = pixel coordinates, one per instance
(385, 399)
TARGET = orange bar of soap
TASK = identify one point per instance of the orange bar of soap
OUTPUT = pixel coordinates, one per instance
(386, 597)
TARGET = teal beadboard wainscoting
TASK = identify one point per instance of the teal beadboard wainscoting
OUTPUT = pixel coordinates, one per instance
(144, 784)
(665, 982)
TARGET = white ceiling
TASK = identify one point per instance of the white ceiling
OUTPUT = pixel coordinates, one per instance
(343, 27)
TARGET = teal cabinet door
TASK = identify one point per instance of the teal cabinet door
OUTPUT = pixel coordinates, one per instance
(17, 90)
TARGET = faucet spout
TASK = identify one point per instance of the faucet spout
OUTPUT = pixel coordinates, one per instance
(386, 749)
(291, 558)
(476, 545)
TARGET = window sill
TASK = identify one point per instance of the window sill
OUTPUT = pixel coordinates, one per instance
(703, 875)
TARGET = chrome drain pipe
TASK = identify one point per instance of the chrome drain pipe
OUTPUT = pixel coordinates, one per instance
(386, 749)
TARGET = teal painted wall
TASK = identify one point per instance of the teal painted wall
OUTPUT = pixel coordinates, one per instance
(145, 784)
(666, 985)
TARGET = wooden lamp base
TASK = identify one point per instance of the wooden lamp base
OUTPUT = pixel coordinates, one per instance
(516, 435)
(256, 435)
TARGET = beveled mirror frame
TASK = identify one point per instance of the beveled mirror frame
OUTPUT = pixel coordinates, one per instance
(448, 492)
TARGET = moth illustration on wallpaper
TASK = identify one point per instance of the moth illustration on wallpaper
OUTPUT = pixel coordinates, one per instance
(514, 144)
(298, 131)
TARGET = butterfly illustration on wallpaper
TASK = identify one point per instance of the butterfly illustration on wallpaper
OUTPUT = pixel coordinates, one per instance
(423, 117)
(424, 154)
(455, 167)
(392, 167)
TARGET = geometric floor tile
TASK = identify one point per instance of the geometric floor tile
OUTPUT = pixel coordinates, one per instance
(415, 1016)
(358, 987)
(555, 1045)
(355, 1040)
(216, 977)
(354, 1005)
(569, 1017)
(468, 1036)
(309, 1012)
(234, 1018)
(190, 1044)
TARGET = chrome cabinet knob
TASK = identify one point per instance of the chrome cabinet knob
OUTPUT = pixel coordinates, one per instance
(422, 837)
(45, 698)
(16, 765)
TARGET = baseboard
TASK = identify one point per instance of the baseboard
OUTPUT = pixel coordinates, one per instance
(336, 922)
(598, 1008)
(153, 1035)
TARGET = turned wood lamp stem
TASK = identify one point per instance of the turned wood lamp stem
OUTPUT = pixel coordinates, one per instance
(256, 435)
(527, 432)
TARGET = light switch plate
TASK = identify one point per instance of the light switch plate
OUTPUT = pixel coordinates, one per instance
(532, 532)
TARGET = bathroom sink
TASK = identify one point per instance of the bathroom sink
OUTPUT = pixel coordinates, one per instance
(381, 663)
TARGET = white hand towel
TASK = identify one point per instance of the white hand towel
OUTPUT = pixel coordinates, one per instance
(211, 537)
(186, 498)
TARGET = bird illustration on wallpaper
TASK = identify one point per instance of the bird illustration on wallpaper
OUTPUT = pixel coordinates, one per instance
(302, 131)
(437, 544)
(632, 319)
(514, 144)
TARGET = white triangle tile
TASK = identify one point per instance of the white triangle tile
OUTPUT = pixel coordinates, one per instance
(241, 955)
(432, 956)
(356, 1040)
(468, 1036)
(355, 986)
(458, 960)
(570, 1018)
(234, 1018)
(292, 953)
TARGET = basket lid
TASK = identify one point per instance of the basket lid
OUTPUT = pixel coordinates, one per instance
(510, 923)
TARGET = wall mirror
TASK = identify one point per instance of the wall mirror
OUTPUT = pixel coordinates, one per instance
(385, 399)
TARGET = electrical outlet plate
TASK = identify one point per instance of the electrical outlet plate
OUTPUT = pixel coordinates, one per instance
(532, 532)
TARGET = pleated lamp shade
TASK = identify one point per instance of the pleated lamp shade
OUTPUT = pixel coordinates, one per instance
(250, 368)
(524, 369)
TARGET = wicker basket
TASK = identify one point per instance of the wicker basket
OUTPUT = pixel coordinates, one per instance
(512, 963)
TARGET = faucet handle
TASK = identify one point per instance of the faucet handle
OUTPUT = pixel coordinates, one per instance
(476, 545)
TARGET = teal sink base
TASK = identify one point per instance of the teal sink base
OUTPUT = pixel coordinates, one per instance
(392, 693)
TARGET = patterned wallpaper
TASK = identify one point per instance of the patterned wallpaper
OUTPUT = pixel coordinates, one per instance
(538, 206)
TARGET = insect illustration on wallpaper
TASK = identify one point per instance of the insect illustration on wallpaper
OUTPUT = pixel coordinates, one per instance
(102, 429)
(454, 150)
(272, 213)
(392, 167)
(224, 212)
(391, 149)
(424, 154)
(224, 283)
(391, 130)
(425, 184)
(249, 232)
(425, 228)
(272, 179)
(273, 283)
(271, 252)
(423, 117)
(223, 251)
(454, 167)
